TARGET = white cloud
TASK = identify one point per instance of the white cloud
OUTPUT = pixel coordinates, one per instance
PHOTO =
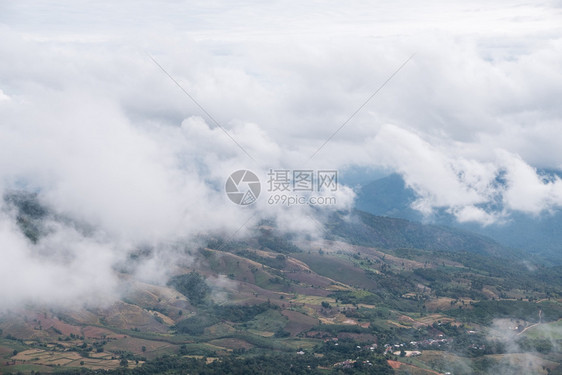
(448, 177)
(89, 121)
(527, 191)
(65, 270)
(3, 97)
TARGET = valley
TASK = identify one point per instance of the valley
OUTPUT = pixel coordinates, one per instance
(342, 304)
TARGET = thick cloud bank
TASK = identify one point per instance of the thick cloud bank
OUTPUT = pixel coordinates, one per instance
(109, 142)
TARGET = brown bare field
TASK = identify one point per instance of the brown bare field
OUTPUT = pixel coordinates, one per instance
(439, 304)
(126, 316)
(220, 329)
(98, 333)
(165, 318)
(146, 295)
(338, 319)
(18, 328)
(134, 345)
(431, 318)
(305, 277)
(261, 333)
(5, 351)
(298, 322)
(65, 359)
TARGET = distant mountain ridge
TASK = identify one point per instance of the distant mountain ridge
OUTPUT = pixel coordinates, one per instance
(363, 228)
(356, 227)
(541, 236)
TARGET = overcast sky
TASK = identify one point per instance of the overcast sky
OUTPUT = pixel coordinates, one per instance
(89, 121)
